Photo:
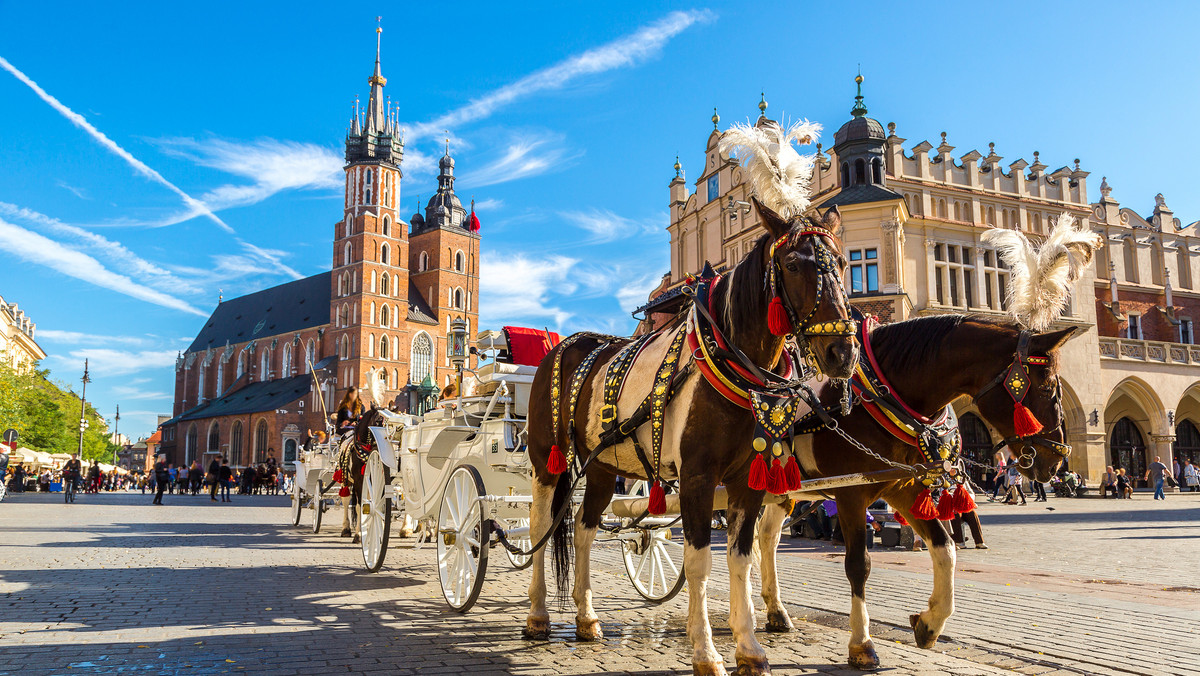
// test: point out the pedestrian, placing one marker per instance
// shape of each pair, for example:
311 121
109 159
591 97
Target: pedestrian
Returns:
1191 476
213 478
225 476
1014 479
1177 472
1001 481
162 476
181 475
1039 490
1108 482
971 518
1157 476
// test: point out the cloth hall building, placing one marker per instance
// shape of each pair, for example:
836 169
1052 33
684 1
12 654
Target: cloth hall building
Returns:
913 216
245 387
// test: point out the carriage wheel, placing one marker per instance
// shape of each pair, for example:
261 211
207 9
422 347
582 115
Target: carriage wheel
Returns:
375 513
520 562
297 503
654 563
463 536
318 503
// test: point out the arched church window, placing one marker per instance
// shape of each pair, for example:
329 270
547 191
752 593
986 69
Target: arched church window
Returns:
371 345
458 298
387 226
383 315
310 356
260 442
877 171
286 367
423 262
264 372
422 357
383 254
845 174
348 254
189 444
241 365
235 444
460 261
214 438
200 384
344 350
383 284
383 347
860 171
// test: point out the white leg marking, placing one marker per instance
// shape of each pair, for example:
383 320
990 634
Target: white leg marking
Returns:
859 621
540 520
741 608
697 564
941 601
587 623
768 545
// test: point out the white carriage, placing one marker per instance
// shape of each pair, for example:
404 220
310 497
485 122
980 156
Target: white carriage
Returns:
463 470
314 487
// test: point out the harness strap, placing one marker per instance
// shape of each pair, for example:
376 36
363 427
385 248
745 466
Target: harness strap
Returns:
660 396
577 379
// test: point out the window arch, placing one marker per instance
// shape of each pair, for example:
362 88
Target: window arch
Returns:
423 262
264 370
383 347
395 379
383 285
344 349
460 261
1187 442
241 364
877 171
383 254
384 315
845 174
285 369
387 226
200 383
371 345
235 443
371 317
214 438
860 171
422 357
189 443
348 254
458 298
260 442
1127 450
310 355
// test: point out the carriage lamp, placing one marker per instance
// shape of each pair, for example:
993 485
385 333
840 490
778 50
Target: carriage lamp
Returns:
456 343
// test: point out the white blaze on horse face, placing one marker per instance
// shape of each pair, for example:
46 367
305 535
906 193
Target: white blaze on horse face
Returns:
638 381
697 565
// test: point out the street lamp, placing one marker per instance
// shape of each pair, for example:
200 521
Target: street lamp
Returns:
456 348
83 423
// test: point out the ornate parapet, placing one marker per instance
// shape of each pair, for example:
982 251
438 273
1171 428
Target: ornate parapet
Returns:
1149 351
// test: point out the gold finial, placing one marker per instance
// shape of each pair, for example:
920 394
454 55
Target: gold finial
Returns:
716 120
762 104
679 167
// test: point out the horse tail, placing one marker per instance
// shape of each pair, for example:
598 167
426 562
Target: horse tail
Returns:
563 548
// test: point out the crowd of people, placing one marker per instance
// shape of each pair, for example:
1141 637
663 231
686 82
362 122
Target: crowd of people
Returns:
219 477
1004 476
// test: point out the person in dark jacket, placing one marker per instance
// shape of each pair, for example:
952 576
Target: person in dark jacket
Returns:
161 477
214 473
349 411
225 476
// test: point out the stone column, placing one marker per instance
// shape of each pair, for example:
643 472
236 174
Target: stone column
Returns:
891 256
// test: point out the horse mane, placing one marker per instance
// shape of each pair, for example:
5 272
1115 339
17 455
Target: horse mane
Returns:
919 341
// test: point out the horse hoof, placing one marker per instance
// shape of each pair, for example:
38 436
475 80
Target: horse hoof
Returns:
345 533
753 666
863 657
588 630
536 630
405 533
923 635
709 669
355 540
779 622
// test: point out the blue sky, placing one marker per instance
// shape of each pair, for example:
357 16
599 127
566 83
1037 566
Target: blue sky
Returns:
196 149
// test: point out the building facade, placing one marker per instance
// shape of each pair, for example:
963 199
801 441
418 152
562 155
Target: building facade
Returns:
913 220
246 386
17 345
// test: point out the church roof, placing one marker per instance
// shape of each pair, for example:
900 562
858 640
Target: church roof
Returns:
286 308
861 194
253 398
418 309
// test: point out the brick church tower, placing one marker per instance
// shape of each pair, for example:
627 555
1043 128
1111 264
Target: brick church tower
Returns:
369 294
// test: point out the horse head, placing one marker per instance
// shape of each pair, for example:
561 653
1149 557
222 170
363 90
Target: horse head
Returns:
804 270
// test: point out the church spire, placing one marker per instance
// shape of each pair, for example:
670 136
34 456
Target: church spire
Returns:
860 108
376 119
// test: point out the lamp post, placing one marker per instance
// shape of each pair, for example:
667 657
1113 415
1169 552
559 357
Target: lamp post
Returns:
83 423
117 434
456 348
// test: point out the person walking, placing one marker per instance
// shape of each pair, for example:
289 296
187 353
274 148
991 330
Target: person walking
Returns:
225 477
162 476
1013 478
1191 476
1001 480
1157 476
213 478
181 476
971 518
1039 490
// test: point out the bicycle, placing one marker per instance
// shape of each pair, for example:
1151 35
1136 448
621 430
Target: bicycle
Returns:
68 490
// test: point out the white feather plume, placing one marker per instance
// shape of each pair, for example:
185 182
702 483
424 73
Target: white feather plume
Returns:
778 174
376 386
1040 278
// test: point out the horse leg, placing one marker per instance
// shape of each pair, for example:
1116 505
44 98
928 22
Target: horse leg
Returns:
696 508
345 517
852 518
928 625
600 487
768 544
355 521
537 624
742 515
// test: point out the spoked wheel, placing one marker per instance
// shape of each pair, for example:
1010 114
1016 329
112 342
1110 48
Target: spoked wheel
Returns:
462 539
297 503
520 562
318 507
375 512
654 563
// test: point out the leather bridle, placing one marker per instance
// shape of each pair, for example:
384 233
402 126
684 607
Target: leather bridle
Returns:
826 264
1021 360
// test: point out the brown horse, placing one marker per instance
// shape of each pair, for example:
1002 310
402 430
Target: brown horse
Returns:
352 459
706 438
928 363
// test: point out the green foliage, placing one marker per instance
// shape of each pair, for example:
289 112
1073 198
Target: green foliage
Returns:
46 415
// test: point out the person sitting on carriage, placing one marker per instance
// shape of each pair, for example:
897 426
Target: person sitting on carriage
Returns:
349 411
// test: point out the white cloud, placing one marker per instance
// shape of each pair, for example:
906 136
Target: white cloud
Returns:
127 393
489 204
518 288
103 362
39 250
624 52
272 165
78 338
633 294
78 192
522 158
606 226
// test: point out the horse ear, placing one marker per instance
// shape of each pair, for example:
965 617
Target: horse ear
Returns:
832 220
1044 343
773 222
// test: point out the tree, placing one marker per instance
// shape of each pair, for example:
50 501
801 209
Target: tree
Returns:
44 414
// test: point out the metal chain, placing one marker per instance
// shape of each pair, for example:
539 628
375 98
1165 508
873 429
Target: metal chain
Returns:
860 446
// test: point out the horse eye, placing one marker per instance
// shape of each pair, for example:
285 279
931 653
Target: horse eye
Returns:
791 266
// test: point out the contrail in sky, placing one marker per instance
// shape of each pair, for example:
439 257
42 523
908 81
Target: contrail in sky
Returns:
140 167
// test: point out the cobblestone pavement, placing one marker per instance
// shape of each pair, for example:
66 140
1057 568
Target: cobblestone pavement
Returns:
113 585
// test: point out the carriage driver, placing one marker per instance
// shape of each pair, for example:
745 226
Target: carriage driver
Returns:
349 411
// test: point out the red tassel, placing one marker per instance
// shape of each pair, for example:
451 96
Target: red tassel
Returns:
776 483
923 507
658 499
777 318
1024 421
758 474
362 470
345 492
963 500
900 518
337 476
792 475
557 462
945 507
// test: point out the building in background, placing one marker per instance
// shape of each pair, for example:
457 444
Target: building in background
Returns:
17 345
913 223
245 389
